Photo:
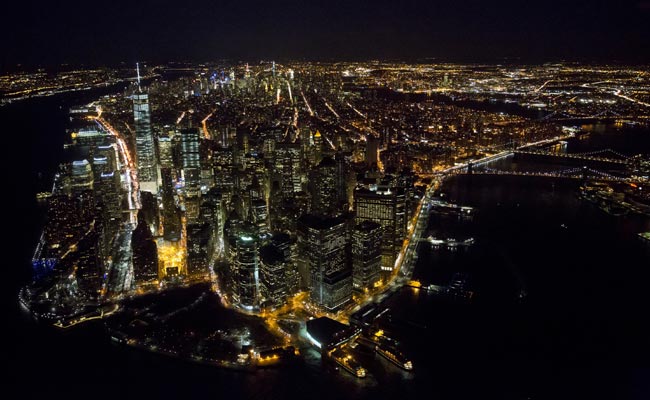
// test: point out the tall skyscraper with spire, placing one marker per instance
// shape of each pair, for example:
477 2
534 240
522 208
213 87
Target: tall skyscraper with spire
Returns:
144 144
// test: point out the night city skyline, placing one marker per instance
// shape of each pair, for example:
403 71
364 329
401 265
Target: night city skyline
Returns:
327 199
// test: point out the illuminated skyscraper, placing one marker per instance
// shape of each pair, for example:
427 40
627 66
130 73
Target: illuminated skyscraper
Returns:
145 254
273 268
246 285
258 215
198 236
323 247
222 166
366 254
227 135
144 144
165 150
108 199
305 144
287 169
344 181
171 217
81 176
387 207
213 211
191 163
104 160
287 247
107 196
323 187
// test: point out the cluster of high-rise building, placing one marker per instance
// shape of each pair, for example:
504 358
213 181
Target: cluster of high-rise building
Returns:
279 206
84 215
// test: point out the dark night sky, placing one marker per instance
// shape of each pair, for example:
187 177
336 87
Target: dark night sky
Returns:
108 31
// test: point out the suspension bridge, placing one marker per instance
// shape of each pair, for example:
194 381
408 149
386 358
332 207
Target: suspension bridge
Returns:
606 156
583 173
602 116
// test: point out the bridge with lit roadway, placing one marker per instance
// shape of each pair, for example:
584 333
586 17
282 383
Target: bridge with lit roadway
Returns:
571 173
606 156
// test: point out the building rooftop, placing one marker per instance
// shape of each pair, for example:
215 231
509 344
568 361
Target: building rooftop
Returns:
320 222
367 226
325 332
271 254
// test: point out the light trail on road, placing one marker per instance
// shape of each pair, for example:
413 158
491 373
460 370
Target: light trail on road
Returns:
357 111
204 121
311 112
617 93
130 174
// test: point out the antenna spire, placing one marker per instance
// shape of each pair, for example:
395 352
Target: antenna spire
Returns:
137 69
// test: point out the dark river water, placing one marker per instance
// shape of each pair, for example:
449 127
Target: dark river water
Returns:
579 332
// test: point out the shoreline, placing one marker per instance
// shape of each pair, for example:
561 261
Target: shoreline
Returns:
4 101
400 277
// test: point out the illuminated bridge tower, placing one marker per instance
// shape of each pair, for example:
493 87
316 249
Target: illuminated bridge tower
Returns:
144 144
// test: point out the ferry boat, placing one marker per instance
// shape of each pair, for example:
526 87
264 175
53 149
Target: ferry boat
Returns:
445 208
450 242
395 357
43 195
349 364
